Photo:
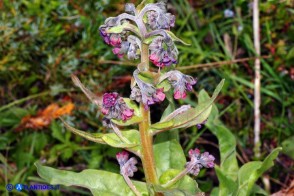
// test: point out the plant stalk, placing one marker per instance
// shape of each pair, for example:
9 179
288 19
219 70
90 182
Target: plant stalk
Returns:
146 137
256 80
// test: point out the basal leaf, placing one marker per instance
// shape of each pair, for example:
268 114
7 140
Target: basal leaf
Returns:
168 155
100 183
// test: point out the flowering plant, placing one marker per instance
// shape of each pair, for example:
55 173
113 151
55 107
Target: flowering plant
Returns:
143 32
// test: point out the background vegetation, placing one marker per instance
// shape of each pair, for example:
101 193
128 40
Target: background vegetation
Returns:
42 42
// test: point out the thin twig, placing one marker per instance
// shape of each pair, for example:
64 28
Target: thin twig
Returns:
256 80
215 64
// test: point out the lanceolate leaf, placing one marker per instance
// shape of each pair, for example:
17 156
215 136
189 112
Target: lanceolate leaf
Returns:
175 38
110 138
100 183
227 145
266 164
123 27
250 172
133 120
191 116
132 135
89 136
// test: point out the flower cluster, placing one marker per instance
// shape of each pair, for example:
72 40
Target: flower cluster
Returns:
127 166
181 83
199 161
160 19
146 93
122 43
114 107
160 56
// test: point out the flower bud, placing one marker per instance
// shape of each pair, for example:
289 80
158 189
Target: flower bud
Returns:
127 166
181 83
159 19
159 55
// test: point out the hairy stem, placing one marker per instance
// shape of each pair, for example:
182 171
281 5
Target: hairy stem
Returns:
146 137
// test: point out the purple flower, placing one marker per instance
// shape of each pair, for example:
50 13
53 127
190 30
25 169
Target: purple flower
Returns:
121 49
159 19
146 93
181 83
109 99
114 107
159 55
199 161
115 40
127 166
104 35
149 96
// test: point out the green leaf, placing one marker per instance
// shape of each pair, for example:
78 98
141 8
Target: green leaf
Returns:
110 138
162 125
131 121
168 155
185 186
57 131
191 116
89 136
226 185
266 164
121 28
227 144
244 174
113 140
165 85
100 183
175 38
288 147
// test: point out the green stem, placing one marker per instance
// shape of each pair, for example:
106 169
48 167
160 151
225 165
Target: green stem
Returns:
19 101
145 135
